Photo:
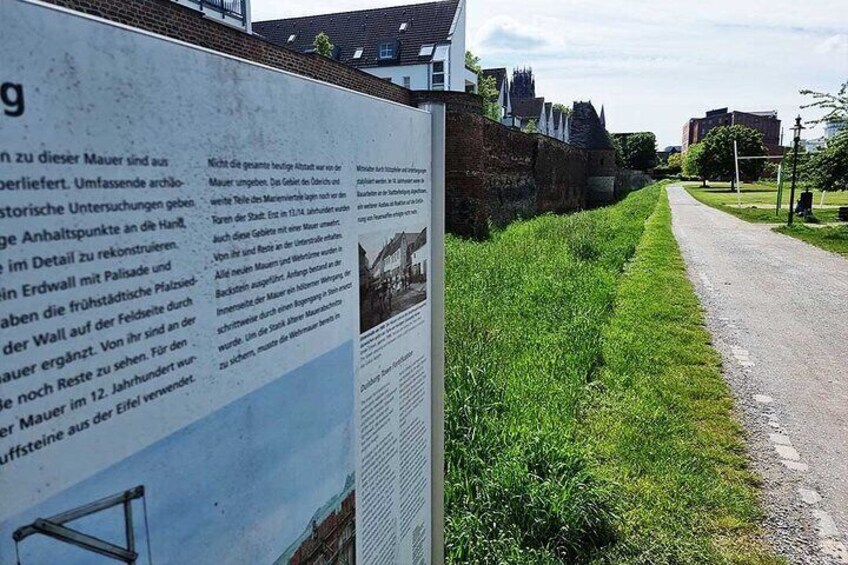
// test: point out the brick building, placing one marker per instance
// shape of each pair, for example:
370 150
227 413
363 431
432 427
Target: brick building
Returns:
767 123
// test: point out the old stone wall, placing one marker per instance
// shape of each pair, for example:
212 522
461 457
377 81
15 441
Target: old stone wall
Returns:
496 175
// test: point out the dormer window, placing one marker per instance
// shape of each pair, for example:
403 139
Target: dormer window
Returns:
387 50
403 27
358 53
292 37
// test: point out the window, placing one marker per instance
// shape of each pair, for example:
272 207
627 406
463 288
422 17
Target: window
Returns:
387 50
292 37
407 82
403 27
426 50
358 53
439 75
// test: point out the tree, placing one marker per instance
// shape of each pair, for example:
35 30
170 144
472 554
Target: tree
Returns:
717 161
566 110
473 62
491 95
323 46
531 127
827 170
619 152
638 150
692 162
834 105
675 162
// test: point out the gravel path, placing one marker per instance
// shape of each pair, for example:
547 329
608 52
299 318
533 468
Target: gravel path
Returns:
778 311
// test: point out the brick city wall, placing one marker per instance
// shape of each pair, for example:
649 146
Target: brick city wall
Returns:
170 19
496 175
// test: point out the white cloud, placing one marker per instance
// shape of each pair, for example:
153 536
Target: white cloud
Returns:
837 44
653 64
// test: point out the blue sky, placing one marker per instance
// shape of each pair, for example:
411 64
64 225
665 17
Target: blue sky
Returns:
654 63
236 487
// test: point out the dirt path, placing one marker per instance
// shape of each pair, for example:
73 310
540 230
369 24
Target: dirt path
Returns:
778 311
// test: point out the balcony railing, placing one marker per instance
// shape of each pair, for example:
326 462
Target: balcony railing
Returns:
229 9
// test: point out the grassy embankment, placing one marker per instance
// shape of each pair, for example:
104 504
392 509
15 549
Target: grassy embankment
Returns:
587 419
758 206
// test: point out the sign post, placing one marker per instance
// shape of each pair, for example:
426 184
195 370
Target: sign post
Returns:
222 293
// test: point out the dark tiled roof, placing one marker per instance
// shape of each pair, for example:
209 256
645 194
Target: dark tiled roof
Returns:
557 116
427 24
586 130
499 74
530 109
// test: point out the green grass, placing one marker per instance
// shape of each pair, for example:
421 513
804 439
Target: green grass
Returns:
758 202
831 238
758 206
660 423
547 397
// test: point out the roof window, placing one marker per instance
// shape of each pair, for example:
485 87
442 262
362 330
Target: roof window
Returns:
292 37
403 27
358 53
387 50
427 50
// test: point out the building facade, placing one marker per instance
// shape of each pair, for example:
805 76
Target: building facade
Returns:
767 123
418 47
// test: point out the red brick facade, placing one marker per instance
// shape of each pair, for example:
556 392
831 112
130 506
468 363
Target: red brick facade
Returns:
333 541
696 129
170 19
496 174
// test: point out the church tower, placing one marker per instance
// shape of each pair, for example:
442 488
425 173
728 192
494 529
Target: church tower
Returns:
523 85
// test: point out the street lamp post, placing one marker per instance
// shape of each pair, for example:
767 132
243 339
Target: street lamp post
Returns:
797 130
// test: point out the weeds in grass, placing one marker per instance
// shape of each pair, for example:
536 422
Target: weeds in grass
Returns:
643 465
525 315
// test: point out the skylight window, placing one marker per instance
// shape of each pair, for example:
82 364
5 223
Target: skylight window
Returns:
292 37
358 53
426 50
403 27
387 50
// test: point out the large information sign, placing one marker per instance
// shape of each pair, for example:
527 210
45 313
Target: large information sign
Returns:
214 307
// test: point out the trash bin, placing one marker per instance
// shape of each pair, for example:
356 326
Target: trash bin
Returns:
805 204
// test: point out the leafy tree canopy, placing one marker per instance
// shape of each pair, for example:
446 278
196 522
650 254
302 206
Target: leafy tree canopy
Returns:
717 161
638 151
473 62
490 94
566 110
675 161
835 106
692 160
827 169
323 46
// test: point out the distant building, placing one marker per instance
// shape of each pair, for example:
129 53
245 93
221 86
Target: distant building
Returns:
235 13
813 145
587 132
662 156
419 47
530 110
401 261
523 85
767 123
833 128
504 96
330 538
